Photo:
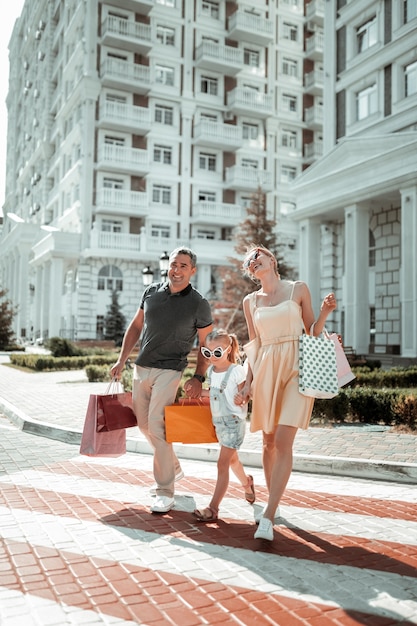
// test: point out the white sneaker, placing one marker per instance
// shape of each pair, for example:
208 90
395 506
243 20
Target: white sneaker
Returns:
162 504
178 477
265 530
260 515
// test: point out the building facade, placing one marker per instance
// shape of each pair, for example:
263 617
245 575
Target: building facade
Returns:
358 204
136 126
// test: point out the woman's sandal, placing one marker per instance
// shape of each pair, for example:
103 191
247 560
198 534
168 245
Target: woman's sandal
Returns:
208 514
250 491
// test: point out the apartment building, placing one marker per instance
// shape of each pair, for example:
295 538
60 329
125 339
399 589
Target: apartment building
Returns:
357 206
136 126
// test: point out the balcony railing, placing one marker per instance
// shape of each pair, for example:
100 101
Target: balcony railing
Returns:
315 46
251 28
313 82
124 157
314 117
217 134
115 28
214 56
241 101
116 72
122 201
240 177
218 213
313 150
122 114
115 241
315 11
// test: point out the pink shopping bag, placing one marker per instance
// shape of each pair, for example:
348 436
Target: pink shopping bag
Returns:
106 443
344 373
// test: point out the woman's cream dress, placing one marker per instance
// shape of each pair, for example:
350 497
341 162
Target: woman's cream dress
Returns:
275 395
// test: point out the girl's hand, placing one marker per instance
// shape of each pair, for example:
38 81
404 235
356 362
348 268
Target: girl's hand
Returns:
243 395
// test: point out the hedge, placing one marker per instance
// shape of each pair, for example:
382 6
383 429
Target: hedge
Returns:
42 363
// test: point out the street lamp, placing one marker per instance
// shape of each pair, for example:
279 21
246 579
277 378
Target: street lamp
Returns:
147 276
164 264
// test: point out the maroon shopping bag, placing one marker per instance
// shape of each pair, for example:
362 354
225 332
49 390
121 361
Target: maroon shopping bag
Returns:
106 443
114 411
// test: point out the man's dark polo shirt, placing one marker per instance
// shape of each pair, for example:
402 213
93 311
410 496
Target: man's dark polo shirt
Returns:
170 325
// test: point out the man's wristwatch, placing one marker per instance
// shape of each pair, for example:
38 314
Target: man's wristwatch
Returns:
200 378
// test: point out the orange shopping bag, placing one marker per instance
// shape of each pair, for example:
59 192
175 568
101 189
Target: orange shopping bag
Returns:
189 421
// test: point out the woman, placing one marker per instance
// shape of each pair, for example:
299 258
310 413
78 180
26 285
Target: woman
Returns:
276 315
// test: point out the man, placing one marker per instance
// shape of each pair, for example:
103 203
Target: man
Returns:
170 316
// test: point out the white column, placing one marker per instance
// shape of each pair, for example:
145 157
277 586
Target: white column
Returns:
408 275
55 291
356 291
310 235
203 277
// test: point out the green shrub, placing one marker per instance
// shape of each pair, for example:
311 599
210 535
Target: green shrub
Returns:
62 347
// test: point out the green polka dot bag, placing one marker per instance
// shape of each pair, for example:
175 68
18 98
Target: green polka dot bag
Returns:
317 367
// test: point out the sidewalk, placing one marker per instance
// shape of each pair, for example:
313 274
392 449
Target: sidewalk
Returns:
53 405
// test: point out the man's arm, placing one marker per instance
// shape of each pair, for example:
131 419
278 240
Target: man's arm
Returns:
130 339
193 386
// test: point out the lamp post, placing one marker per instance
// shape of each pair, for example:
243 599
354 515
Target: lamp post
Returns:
164 264
147 276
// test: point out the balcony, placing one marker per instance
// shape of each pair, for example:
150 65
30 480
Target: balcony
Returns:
123 159
119 115
121 74
247 179
218 135
241 101
218 58
122 202
313 117
212 251
250 28
315 46
313 82
315 13
134 36
219 213
312 151
143 7
114 245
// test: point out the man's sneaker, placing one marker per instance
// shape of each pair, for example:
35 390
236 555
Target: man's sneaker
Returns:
265 530
260 515
162 504
178 477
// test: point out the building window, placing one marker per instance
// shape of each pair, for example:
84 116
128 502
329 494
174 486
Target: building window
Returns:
207 161
251 57
367 34
162 154
112 183
410 72
290 31
209 85
210 9
289 138
165 35
372 325
162 232
290 67
372 249
164 75
206 234
111 226
100 327
288 173
110 278
114 141
291 3
206 196
289 102
250 132
366 102
164 115
166 3
250 163
409 10
161 194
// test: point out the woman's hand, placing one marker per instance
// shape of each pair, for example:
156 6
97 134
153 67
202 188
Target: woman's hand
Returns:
329 303
243 395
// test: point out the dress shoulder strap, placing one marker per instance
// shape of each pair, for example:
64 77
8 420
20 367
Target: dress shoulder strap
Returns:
292 290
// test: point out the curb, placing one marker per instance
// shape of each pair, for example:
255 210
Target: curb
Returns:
387 471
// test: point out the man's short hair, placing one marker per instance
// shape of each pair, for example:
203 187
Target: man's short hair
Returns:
188 252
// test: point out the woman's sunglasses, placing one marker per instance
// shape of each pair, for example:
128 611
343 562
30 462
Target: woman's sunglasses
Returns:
217 352
251 258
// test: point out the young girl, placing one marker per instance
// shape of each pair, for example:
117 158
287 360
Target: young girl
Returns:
225 379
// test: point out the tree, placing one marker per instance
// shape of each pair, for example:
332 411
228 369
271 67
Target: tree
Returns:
256 229
115 321
7 313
